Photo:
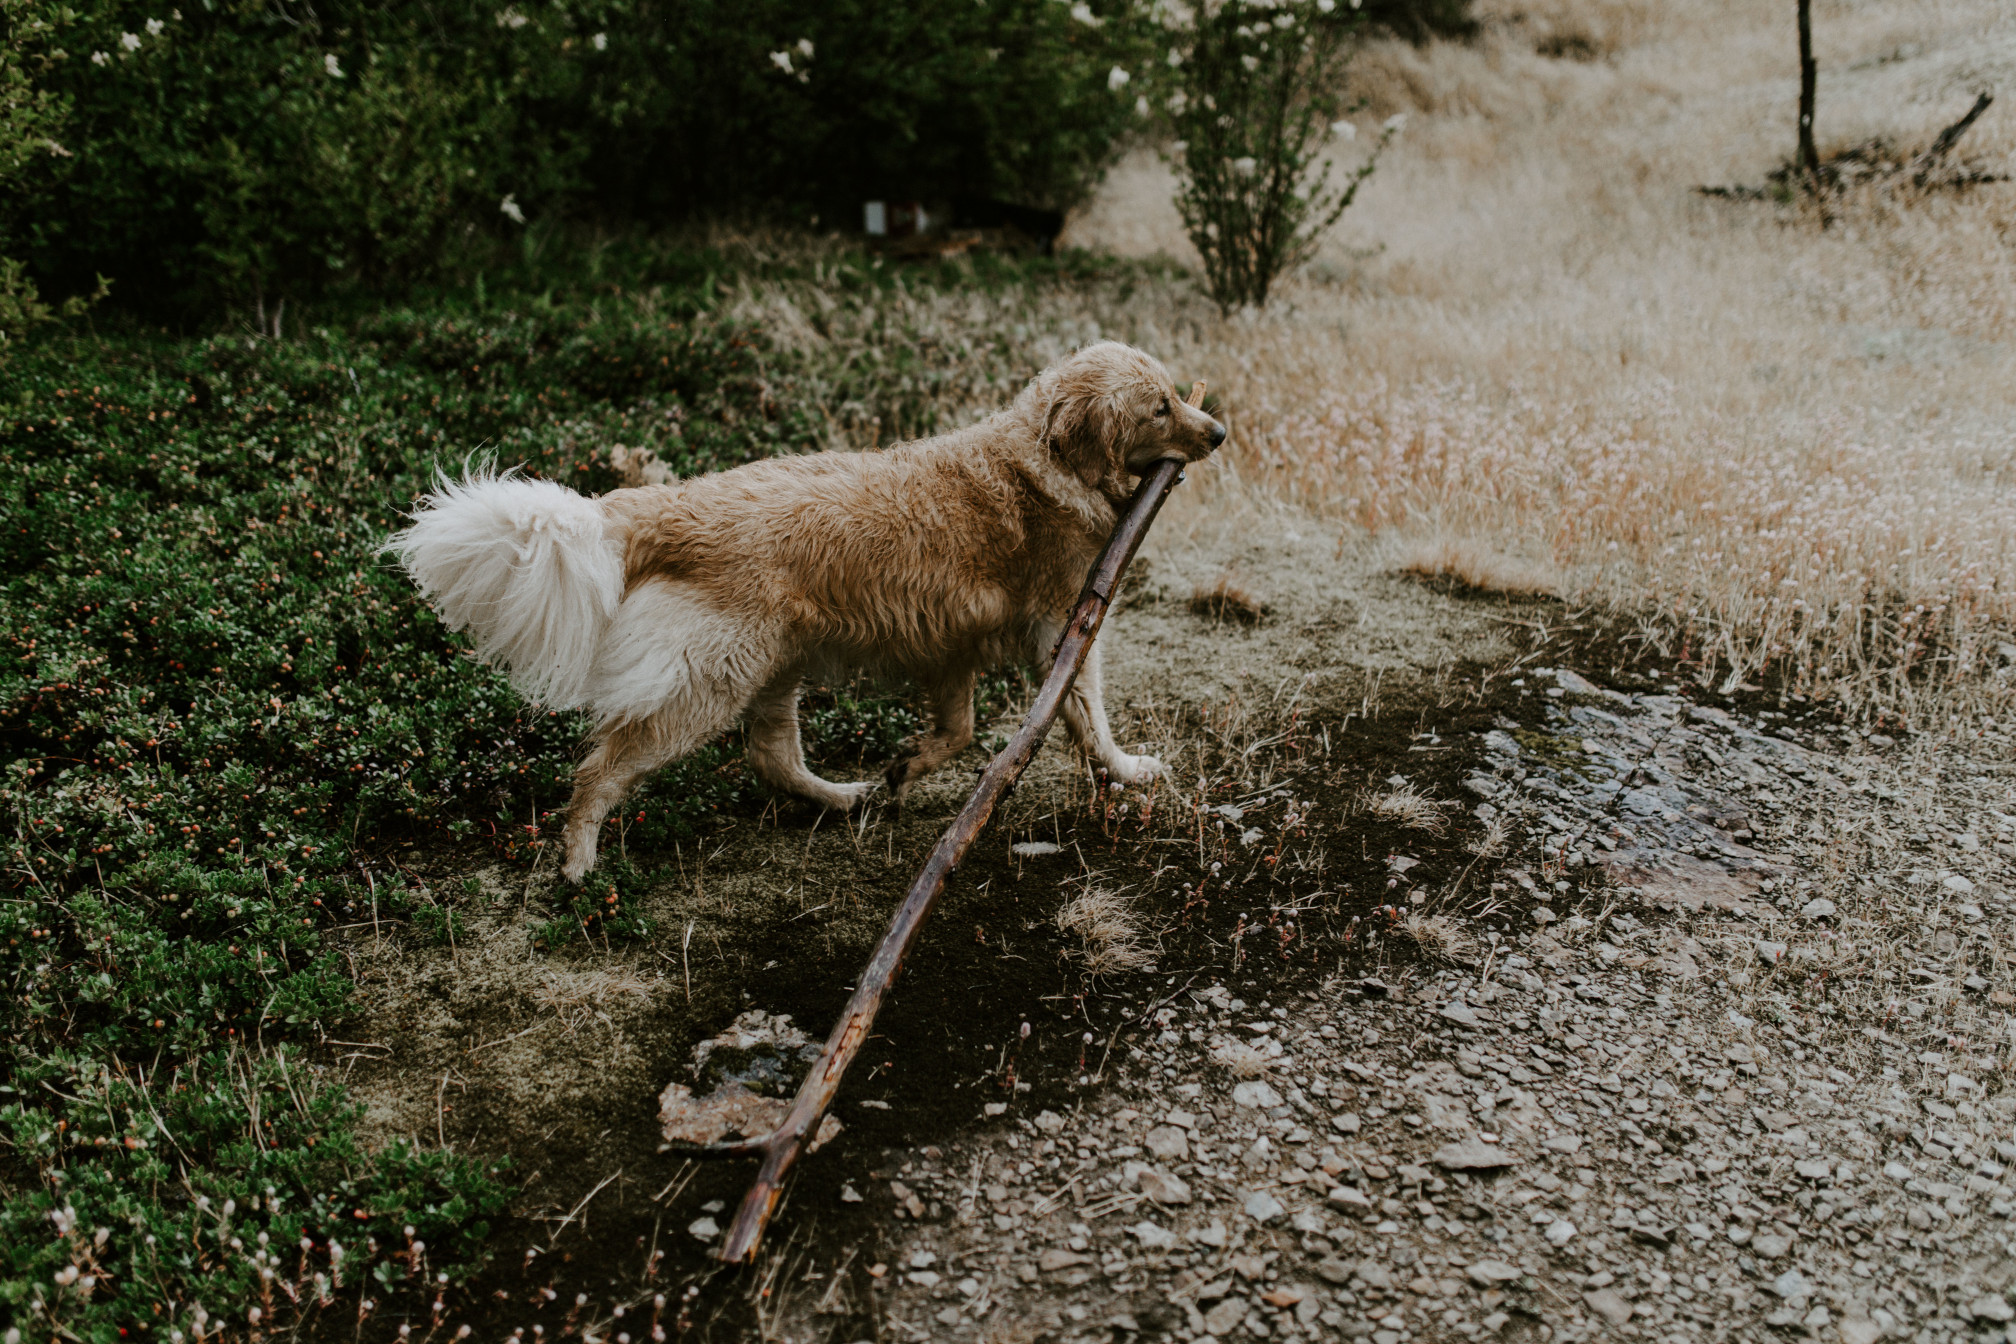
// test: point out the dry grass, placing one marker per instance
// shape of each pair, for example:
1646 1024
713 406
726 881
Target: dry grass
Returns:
577 996
1441 938
1476 564
1533 337
1228 599
1406 806
1109 931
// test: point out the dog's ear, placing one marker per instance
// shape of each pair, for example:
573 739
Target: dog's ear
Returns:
1084 432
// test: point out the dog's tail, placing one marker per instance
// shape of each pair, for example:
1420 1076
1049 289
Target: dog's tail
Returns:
528 568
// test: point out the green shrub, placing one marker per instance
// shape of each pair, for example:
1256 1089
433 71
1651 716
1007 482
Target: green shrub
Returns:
31 117
230 155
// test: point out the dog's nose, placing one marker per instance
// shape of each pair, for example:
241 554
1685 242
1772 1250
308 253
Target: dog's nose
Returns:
1217 433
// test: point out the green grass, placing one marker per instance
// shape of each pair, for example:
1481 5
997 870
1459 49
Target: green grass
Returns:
225 722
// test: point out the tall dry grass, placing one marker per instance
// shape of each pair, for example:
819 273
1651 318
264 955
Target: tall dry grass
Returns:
1784 441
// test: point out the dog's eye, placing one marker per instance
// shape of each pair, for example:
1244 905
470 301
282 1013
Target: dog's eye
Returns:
1163 409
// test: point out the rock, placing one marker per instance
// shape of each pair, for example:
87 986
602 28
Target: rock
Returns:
1347 1123
1958 885
1768 951
1211 1234
1462 1015
848 1194
1057 1258
1334 1270
1263 1208
1049 1122
1491 1273
1350 1199
706 1229
1169 1144
1542 915
1222 1319
1897 1171
1473 1155
1256 1095
1609 1304
1153 1238
1860 1330
1163 1188
1791 1284
1992 1307
1563 1143
1813 1168
1819 908
1770 1245
1560 1232
1283 1297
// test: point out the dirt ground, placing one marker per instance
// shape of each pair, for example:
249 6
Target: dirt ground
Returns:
1465 976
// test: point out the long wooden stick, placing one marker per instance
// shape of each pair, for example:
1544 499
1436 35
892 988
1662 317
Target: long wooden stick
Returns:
779 1149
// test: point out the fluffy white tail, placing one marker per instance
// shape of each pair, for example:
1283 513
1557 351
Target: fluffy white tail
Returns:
527 568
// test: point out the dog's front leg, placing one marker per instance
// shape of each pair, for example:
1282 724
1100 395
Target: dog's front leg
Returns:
952 715
1085 716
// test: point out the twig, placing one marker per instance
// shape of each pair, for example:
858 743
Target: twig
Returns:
1946 139
555 1236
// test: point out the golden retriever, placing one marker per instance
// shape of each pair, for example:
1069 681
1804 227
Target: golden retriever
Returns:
670 610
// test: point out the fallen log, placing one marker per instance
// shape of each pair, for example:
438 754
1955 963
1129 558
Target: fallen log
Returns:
780 1148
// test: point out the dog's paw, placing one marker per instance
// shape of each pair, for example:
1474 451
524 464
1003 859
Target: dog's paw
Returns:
847 797
898 776
1135 769
580 860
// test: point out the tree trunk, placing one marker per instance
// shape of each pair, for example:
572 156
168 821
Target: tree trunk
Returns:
1809 158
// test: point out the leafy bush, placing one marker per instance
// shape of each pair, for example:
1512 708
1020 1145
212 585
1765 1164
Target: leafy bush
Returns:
1257 108
233 154
31 115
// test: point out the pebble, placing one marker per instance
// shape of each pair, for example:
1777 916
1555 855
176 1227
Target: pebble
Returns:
1263 1208
1473 1155
1491 1273
1256 1095
1153 1238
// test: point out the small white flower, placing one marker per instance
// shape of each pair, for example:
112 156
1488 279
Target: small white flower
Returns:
1395 122
330 64
1325 6
600 41
1117 79
154 27
1347 130
1141 107
130 41
805 47
1250 62
99 58
509 207
1175 58
1177 102
1083 13
782 60
1245 166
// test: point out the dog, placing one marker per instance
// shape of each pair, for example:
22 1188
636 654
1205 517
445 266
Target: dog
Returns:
668 611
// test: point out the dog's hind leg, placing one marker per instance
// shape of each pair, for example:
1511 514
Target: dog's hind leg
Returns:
952 713
625 754
777 754
1085 716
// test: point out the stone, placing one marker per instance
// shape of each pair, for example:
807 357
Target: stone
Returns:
1049 1122
1350 1199
1609 1304
1820 908
1164 1188
1263 1208
1992 1307
1473 1155
1335 1270
1463 1015
706 1229
1958 885
1346 1123
1222 1319
1169 1144
1813 1168
1211 1234
1860 1330
1569 1144
1560 1232
1791 1284
1282 1297
1491 1273
1153 1238
1057 1258
1256 1095
1770 1245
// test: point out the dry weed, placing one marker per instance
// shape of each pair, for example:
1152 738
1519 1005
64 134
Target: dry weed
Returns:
577 996
1441 938
1228 599
1109 931
1406 806
1241 1060
1476 564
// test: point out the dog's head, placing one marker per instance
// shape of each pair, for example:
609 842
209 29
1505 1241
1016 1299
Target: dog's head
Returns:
1109 411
